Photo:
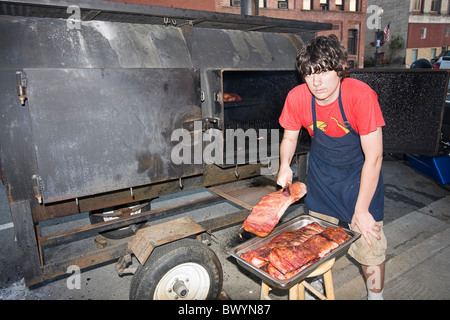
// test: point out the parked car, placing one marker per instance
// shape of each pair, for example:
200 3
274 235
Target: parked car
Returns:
442 63
421 64
445 53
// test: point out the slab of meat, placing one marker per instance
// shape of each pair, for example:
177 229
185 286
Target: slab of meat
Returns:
266 214
277 274
290 259
293 251
231 97
259 257
337 235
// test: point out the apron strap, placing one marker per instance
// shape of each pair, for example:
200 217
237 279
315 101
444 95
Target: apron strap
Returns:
341 108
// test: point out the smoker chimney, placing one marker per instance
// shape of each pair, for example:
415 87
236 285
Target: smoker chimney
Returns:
250 7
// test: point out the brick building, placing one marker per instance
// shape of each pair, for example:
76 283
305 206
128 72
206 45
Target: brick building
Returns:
424 26
428 30
347 16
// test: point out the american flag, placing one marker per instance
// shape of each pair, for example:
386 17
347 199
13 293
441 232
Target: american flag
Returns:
387 36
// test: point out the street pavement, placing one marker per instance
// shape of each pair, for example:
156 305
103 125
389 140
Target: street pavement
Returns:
417 226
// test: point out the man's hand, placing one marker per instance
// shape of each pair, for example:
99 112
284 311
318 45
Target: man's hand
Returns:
366 225
287 149
284 176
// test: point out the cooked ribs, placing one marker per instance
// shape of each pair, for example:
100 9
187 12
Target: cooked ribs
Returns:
274 272
292 251
259 257
335 234
291 258
266 214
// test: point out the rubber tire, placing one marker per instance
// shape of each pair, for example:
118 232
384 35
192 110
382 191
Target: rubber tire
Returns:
120 233
165 257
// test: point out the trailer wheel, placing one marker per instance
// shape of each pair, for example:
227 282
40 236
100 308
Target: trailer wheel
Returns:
103 215
182 270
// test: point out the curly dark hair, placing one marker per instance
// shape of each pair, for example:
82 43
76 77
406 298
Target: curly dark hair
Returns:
323 53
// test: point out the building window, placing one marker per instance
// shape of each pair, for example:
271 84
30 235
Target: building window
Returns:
433 53
282 4
353 5
447 32
307 4
436 6
235 3
263 3
423 33
324 5
340 5
351 47
418 5
414 55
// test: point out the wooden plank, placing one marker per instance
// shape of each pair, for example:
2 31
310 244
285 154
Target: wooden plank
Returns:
245 193
231 198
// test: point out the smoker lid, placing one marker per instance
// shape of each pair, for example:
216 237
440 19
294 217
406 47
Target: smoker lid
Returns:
145 14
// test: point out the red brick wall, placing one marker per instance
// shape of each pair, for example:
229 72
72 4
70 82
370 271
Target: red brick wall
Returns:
435 36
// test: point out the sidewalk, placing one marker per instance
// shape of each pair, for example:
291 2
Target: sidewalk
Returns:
418 258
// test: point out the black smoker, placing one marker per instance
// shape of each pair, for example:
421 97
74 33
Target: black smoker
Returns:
89 104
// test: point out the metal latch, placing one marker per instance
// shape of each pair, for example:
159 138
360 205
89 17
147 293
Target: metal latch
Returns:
21 85
38 188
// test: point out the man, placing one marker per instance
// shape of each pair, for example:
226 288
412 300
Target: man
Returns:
344 181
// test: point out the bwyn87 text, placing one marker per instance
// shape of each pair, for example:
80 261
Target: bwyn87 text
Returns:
226 309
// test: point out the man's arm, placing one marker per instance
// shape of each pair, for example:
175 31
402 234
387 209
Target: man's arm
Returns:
287 150
372 146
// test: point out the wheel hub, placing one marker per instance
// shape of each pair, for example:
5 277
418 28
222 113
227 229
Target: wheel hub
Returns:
189 281
180 289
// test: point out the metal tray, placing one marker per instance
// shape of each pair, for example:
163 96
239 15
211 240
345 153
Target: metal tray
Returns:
293 224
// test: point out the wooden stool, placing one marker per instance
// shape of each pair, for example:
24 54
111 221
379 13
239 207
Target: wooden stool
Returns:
297 292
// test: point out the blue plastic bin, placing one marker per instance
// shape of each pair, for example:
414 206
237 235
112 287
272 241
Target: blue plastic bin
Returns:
437 168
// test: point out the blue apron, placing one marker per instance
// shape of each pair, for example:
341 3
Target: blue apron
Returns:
334 173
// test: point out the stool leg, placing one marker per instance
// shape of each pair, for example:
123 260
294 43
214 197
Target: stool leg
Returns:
264 295
297 292
293 292
328 283
314 291
301 291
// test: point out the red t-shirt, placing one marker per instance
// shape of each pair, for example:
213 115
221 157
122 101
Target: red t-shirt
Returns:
360 106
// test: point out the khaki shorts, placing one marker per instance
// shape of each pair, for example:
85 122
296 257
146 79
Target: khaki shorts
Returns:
360 250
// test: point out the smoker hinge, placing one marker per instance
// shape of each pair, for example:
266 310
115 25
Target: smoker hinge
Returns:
211 123
203 124
21 85
38 188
